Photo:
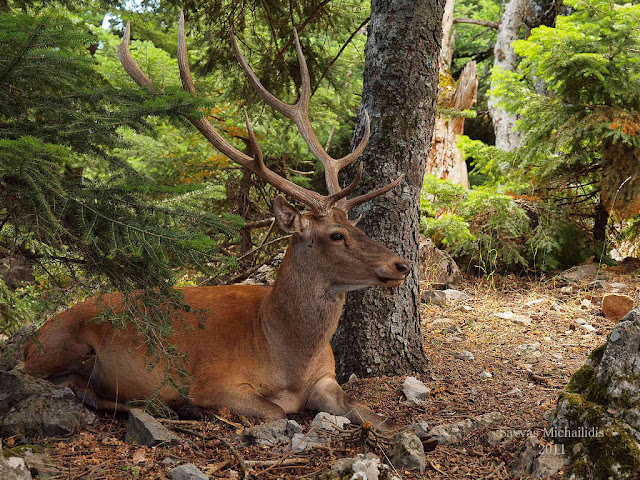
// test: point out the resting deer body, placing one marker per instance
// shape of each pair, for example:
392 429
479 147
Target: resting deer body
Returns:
260 351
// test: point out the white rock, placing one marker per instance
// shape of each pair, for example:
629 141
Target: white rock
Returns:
465 355
464 308
505 315
523 320
531 303
580 321
415 391
588 328
456 295
585 304
327 422
486 375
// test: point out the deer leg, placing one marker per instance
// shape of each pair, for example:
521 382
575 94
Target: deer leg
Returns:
327 396
243 400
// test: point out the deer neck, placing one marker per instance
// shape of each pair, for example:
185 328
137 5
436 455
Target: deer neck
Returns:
301 310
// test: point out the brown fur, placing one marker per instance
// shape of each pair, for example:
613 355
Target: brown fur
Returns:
260 351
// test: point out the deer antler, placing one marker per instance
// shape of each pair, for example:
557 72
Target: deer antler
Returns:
299 114
319 204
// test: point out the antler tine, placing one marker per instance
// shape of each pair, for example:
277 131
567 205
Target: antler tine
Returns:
355 201
313 200
299 114
129 64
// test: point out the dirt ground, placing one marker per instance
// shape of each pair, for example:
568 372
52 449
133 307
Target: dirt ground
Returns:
523 387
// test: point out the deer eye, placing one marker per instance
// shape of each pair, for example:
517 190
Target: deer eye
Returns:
336 237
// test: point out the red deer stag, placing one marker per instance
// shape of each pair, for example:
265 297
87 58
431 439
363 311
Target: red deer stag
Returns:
262 351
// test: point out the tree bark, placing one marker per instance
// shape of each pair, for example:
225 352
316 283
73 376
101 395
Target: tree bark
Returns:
380 334
445 159
505 58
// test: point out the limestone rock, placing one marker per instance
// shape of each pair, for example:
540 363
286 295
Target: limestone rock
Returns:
615 306
437 266
329 423
143 429
415 391
600 408
537 461
301 442
465 355
454 432
33 407
13 468
456 295
360 467
272 433
187 471
407 452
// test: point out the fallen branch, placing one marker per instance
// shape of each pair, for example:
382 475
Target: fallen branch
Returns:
280 463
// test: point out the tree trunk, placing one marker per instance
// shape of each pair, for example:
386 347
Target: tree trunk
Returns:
445 160
380 334
505 58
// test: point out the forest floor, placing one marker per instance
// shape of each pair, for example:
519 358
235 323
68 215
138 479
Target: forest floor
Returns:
523 387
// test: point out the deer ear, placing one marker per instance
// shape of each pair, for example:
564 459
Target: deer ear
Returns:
287 217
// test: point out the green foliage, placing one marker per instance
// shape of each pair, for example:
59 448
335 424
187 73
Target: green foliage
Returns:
577 95
495 232
67 202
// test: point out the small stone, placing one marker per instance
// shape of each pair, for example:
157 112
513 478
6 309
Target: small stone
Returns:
557 356
454 338
329 423
580 321
465 355
360 467
616 306
615 336
434 297
407 452
455 432
508 315
585 304
301 442
566 290
528 348
588 328
523 320
515 391
456 295
271 433
464 308
421 429
474 391
531 303
187 471
143 429
415 391
352 378
618 286
486 375
169 461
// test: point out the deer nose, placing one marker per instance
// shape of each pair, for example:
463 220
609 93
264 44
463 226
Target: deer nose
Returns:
402 268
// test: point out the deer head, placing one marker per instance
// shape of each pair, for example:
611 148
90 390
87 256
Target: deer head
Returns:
330 243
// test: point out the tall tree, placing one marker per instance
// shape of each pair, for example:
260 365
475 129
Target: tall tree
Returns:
380 334
505 58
